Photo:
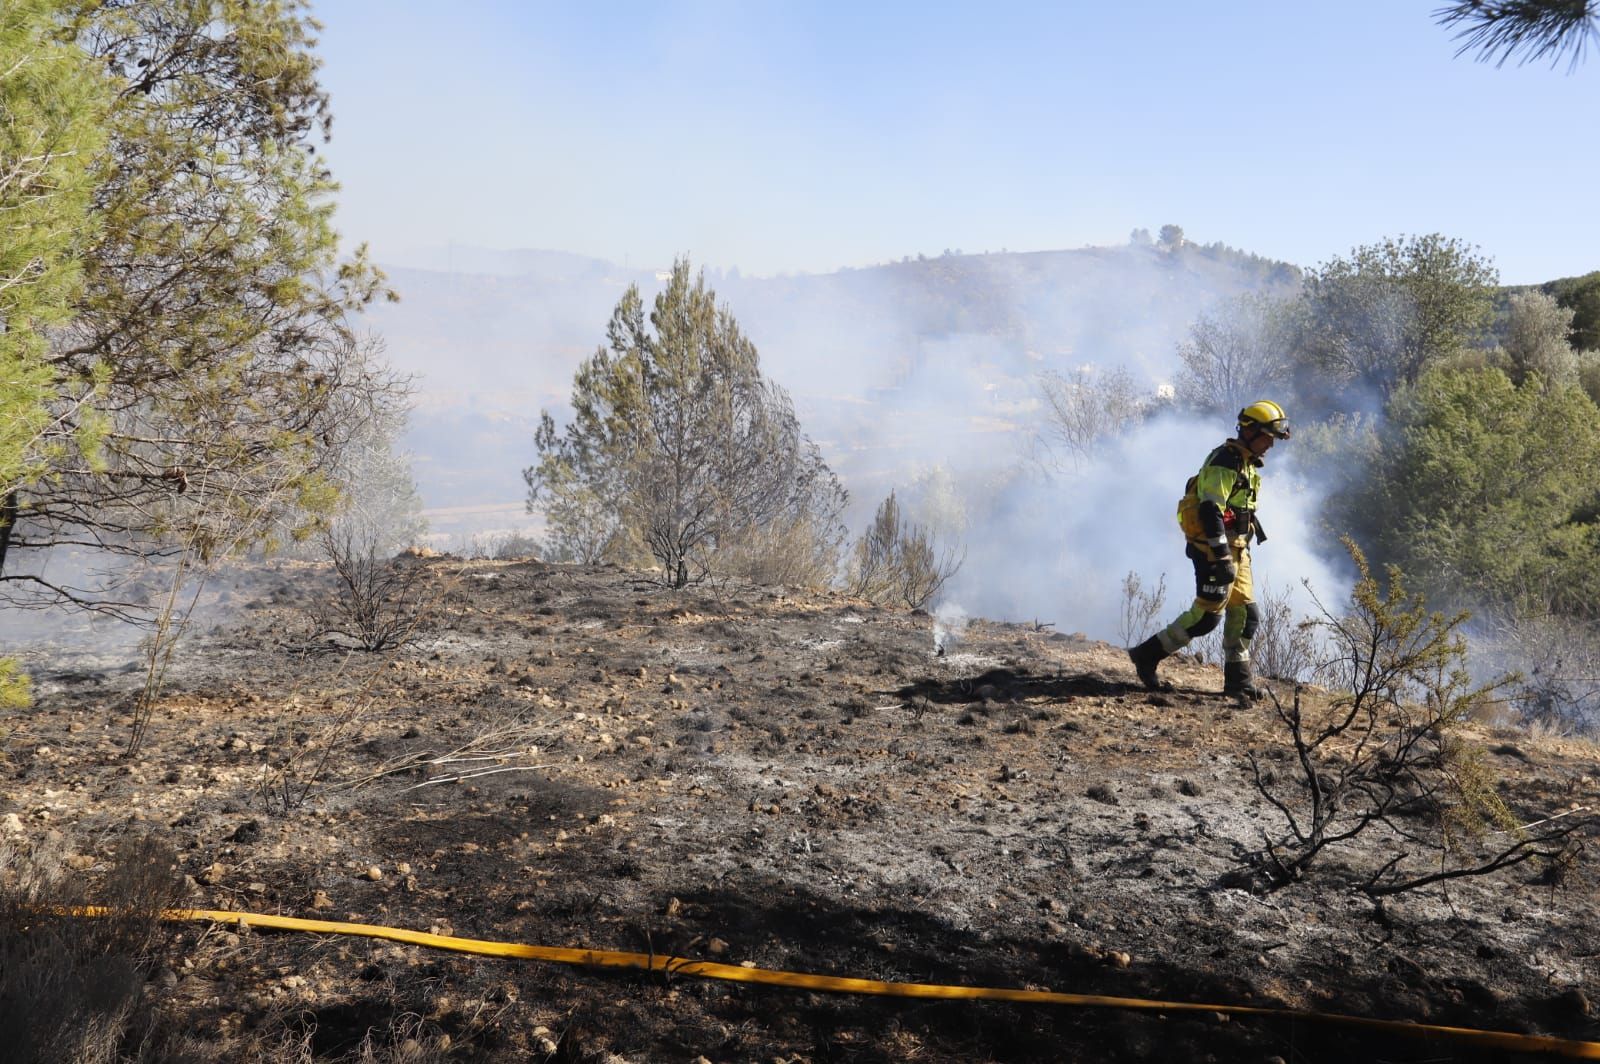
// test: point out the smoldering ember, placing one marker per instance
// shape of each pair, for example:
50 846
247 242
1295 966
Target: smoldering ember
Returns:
791 780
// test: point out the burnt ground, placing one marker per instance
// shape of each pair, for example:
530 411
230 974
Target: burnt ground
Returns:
794 780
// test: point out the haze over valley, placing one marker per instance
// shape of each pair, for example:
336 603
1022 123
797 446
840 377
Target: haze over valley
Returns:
895 370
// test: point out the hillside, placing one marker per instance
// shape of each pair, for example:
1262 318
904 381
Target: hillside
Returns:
893 366
792 780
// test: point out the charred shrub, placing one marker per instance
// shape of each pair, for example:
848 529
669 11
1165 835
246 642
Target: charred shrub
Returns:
1141 608
1285 645
1383 757
898 562
377 603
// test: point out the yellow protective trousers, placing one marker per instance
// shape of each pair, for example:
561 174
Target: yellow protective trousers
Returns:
1218 600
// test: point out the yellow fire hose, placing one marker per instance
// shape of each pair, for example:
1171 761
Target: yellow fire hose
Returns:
1522 1043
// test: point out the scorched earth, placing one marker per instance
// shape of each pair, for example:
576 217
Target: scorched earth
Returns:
793 780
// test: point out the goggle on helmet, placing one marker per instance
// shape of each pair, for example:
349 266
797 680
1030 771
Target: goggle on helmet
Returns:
1266 416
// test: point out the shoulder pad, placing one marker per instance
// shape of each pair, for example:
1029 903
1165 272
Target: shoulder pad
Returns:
1226 457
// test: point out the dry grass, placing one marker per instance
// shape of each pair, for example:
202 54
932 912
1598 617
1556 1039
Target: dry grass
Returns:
69 986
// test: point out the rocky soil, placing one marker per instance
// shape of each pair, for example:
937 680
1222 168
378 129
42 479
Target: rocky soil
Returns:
577 757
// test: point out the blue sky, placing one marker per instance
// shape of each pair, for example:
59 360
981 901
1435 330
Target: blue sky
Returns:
809 136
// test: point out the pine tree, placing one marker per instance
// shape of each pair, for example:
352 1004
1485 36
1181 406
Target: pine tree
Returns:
208 369
51 103
677 442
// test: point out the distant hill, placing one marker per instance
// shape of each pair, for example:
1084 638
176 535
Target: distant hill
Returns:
928 360
498 262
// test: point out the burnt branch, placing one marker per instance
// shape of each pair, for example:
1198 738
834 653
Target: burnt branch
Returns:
1552 846
1380 757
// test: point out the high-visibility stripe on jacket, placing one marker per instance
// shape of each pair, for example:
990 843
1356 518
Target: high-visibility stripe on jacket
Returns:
1221 500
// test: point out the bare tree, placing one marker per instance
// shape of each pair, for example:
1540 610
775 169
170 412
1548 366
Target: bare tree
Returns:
1084 409
379 595
1235 355
379 601
1557 663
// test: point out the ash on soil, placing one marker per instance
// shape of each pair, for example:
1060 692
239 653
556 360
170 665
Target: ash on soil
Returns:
790 779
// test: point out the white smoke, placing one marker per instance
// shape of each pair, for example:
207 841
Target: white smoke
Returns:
1054 547
949 625
918 377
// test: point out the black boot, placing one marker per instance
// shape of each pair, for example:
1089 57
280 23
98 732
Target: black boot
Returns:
1145 657
1238 683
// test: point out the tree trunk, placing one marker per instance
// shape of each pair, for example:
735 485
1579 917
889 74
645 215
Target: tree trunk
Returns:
8 521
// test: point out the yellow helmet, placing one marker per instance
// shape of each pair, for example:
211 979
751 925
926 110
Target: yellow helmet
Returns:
1265 416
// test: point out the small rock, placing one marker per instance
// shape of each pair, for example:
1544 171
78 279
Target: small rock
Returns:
716 947
246 833
320 900
11 824
674 907
373 873
548 1047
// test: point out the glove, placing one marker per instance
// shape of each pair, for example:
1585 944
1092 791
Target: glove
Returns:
1224 570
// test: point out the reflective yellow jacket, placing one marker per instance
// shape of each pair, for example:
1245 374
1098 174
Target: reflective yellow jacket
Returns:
1219 503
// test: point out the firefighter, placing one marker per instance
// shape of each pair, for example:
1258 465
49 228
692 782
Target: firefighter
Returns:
1218 516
